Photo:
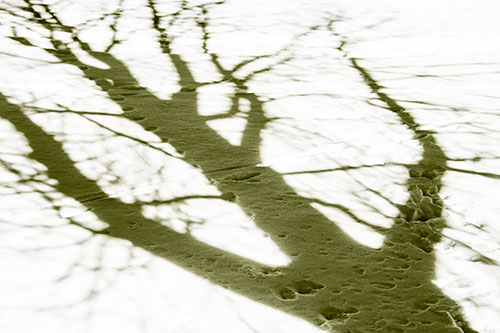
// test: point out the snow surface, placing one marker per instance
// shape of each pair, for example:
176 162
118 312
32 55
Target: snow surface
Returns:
439 59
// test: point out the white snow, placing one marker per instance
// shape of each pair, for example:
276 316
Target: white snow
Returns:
440 59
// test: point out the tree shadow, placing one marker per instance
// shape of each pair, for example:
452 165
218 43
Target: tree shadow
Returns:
332 281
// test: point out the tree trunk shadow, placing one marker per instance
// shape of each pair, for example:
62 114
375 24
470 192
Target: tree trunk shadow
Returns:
332 281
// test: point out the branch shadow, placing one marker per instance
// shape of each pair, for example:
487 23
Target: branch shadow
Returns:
332 281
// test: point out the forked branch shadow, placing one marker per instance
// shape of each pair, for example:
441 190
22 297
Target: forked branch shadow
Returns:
332 281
